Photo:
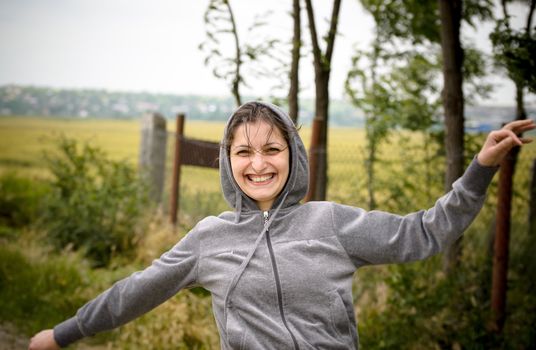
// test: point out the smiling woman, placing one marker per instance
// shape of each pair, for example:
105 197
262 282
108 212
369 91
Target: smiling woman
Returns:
280 272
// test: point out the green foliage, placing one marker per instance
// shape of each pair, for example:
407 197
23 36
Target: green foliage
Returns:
39 292
96 204
197 204
418 21
416 306
402 96
426 309
414 20
515 51
183 322
20 200
474 70
415 26
481 10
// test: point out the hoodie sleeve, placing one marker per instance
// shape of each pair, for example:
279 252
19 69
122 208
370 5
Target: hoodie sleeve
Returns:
135 295
378 238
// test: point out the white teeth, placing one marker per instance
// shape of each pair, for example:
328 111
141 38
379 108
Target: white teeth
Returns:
260 178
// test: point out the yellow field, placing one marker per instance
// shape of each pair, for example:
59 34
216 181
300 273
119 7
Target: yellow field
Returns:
24 141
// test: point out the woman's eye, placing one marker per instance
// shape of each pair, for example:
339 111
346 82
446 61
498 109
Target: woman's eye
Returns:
272 151
243 153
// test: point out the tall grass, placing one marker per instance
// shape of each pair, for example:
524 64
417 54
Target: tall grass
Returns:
39 288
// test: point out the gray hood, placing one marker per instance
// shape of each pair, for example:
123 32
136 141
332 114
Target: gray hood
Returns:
297 183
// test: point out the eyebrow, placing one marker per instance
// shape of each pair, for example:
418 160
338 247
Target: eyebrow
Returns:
266 144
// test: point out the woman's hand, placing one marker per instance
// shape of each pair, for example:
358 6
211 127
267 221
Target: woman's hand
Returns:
500 142
43 340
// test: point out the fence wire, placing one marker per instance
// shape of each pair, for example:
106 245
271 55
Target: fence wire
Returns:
407 175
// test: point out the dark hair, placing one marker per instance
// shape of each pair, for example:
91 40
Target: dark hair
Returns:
252 112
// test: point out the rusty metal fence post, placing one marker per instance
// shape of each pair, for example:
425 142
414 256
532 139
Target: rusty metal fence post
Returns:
313 159
175 181
502 240
532 201
193 152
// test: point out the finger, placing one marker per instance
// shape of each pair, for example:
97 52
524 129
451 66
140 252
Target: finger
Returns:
508 143
524 128
518 122
526 140
518 125
502 134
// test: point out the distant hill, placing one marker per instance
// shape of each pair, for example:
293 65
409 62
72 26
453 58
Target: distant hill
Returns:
84 103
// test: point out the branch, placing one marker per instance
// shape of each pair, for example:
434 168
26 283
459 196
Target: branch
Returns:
238 78
529 17
333 29
317 54
505 13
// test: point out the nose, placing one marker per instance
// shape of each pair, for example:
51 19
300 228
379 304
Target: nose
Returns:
258 163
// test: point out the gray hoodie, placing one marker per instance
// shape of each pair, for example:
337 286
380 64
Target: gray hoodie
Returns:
282 279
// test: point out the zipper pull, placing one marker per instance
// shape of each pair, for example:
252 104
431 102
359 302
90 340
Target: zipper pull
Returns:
265 213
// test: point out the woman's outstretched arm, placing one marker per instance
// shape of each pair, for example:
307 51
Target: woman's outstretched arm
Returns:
378 237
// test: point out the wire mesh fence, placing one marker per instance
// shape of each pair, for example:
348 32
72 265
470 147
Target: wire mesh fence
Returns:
407 175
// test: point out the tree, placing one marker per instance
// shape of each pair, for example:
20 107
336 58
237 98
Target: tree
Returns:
395 90
221 25
414 23
450 13
293 100
322 67
408 32
515 52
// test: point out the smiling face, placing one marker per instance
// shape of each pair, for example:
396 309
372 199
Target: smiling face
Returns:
259 161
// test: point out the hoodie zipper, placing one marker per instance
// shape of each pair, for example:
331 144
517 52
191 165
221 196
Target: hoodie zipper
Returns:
278 283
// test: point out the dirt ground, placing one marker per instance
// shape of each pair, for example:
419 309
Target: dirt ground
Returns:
10 339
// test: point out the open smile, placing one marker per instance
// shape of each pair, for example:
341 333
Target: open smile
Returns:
260 179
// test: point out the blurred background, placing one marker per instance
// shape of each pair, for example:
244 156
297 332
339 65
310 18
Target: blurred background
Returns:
386 92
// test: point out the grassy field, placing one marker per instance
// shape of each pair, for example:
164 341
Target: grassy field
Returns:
25 140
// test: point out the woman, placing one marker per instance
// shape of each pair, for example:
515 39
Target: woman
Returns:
280 272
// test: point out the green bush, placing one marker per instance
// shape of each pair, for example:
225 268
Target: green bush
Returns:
183 322
421 308
37 293
20 199
96 204
196 205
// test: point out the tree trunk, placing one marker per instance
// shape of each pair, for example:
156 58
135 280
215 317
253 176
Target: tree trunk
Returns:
322 65
450 13
529 17
235 88
293 93
370 174
321 151
532 201
502 239
502 233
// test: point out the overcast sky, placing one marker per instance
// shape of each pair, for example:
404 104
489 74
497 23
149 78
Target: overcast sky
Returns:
152 45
